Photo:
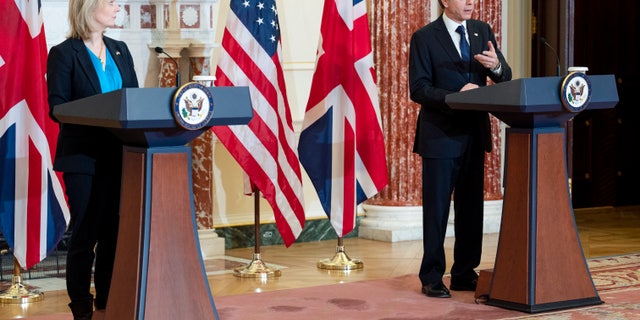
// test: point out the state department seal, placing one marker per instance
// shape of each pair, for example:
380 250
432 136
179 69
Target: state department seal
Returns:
575 92
192 106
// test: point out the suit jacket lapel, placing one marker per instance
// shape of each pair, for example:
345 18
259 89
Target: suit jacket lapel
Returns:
117 57
445 40
85 62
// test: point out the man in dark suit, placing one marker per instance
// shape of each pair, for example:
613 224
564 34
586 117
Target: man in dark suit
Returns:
452 143
86 64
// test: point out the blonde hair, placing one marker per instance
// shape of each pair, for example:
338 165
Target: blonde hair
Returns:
81 17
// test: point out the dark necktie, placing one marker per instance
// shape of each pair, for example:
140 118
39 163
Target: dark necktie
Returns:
464 49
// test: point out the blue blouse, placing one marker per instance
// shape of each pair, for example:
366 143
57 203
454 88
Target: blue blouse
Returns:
110 78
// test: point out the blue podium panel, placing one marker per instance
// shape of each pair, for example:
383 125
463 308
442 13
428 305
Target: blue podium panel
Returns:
142 117
532 102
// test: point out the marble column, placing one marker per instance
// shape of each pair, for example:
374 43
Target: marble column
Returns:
168 67
202 164
396 213
202 159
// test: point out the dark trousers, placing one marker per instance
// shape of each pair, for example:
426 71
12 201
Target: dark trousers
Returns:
464 178
94 206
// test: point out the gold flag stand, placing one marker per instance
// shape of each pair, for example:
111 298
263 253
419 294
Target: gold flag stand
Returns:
17 292
256 268
340 260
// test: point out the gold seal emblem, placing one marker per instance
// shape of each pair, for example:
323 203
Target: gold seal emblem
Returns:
192 106
575 92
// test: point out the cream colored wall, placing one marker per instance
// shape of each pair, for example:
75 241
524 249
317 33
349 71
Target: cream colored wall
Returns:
300 30
517 22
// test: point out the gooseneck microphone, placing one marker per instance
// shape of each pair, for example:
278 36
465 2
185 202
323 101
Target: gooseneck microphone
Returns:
160 50
546 43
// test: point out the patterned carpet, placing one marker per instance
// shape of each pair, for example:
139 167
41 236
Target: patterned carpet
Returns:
617 280
615 273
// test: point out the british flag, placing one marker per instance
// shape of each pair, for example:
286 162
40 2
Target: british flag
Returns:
265 148
33 210
341 145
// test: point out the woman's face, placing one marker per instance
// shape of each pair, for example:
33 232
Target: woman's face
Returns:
105 14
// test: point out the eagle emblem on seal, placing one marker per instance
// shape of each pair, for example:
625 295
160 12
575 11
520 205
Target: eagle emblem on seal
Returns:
193 106
192 103
576 89
575 92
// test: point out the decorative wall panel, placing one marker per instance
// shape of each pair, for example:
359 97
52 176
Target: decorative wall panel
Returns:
148 16
190 16
392 24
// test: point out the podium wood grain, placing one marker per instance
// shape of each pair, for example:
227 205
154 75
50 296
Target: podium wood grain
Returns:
539 264
124 292
158 272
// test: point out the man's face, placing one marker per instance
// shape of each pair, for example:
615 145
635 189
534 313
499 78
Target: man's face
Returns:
458 10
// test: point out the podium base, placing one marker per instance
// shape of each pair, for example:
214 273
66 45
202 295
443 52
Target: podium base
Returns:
156 221
544 307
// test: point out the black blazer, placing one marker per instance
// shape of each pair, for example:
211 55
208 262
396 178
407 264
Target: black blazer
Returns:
71 76
436 70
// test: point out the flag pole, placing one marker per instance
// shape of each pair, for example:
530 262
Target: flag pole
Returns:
340 260
17 292
256 268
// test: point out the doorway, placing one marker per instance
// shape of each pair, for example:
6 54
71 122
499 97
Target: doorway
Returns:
601 144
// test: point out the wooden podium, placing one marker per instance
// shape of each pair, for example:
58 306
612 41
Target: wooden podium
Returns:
158 271
540 265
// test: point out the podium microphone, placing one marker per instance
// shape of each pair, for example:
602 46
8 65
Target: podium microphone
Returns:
160 50
544 40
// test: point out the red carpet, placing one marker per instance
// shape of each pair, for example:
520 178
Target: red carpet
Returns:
397 298
617 280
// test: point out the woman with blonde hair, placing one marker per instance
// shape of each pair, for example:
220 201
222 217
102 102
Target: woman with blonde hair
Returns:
85 64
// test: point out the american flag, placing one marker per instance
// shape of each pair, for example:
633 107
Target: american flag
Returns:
33 210
265 148
341 145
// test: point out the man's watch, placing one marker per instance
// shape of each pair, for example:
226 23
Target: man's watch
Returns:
498 69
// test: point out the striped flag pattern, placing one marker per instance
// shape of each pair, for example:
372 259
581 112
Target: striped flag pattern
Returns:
265 148
341 146
33 210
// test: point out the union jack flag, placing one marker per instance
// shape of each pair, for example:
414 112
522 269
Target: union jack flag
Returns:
341 145
33 210
265 148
